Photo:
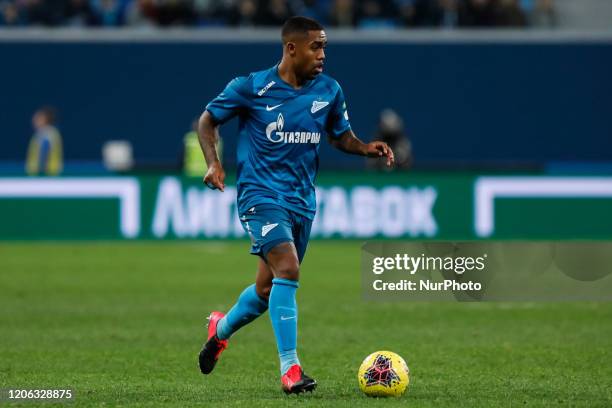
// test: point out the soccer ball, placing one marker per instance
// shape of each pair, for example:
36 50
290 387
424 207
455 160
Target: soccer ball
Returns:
383 374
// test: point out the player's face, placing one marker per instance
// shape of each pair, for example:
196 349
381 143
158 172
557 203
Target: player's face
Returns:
310 54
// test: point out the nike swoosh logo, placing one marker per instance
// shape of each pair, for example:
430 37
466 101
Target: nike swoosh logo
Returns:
287 318
271 108
267 228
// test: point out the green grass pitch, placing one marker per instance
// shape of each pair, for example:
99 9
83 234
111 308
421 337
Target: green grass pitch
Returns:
122 324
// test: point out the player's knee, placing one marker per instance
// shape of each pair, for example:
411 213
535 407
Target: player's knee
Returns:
263 291
283 261
288 269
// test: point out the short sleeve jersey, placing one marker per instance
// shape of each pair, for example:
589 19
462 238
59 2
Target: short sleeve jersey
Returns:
280 131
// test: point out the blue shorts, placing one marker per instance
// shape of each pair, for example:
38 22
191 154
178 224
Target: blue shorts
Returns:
269 225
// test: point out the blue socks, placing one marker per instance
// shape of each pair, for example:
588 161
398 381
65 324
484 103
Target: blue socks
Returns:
248 307
283 314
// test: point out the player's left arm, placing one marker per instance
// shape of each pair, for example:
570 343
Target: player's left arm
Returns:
349 143
342 137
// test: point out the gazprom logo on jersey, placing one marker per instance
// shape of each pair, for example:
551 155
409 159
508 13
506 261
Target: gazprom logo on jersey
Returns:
361 211
275 133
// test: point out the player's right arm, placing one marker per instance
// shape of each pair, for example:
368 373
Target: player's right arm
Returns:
221 109
208 135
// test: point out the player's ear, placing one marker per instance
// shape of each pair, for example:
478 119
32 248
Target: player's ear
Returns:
291 48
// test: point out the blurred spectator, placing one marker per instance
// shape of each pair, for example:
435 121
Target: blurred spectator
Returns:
244 13
391 131
140 13
10 15
44 12
542 14
45 154
374 14
436 13
406 10
509 14
174 12
477 13
272 13
108 13
343 14
315 9
78 13
213 12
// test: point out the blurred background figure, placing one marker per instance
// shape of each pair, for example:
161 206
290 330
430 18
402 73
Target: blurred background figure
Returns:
78 13
10 15
194 164
541 13
316 9
510 14
175 13
243 14
342 14
140 14
45 154
406 10
43 12
377 14
391 131
108 13
273 13
368 14
435 13
478 13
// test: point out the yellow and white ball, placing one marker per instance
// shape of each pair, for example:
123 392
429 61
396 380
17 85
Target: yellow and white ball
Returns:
383 374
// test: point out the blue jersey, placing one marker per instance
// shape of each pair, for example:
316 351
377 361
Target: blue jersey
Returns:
280 129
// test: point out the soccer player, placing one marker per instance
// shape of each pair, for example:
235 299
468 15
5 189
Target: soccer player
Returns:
283 111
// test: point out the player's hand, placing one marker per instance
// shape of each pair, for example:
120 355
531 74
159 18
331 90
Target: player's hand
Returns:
215 177
380 149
